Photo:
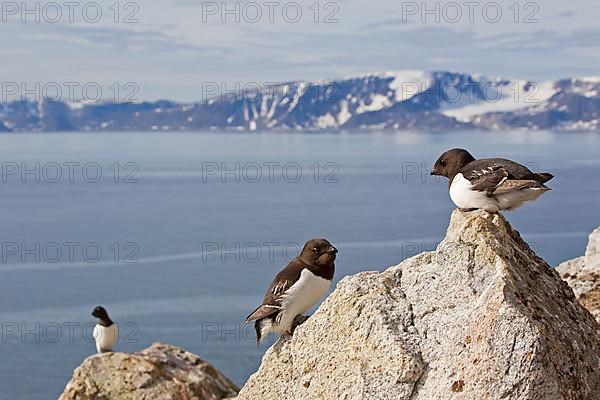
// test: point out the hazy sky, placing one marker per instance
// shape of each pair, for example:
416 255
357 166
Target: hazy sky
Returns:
175 49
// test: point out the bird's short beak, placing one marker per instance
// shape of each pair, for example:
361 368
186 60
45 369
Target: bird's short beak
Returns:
332 249
434 172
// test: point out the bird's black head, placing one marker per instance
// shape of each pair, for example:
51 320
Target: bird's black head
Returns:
451 162
318 252
100 313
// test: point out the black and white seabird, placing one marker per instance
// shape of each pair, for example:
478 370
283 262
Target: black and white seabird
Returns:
296 289
105 332
491 184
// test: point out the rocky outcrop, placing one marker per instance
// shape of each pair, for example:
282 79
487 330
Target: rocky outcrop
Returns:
583 275
161 372
482 317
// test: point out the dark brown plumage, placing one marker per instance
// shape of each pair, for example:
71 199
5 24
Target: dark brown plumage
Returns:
488 173
508 184
317 257
102 315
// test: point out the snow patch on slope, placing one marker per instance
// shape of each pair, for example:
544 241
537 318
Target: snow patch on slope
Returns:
326 121
344 114
587 87
513 96
407 84
589 79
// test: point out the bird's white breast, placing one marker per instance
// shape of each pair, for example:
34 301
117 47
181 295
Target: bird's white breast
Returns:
463 195
301 297
105 337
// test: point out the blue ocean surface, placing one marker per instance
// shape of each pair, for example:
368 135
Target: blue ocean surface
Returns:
179 235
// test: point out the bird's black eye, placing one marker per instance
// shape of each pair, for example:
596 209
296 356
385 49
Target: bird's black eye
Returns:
443 163
315 249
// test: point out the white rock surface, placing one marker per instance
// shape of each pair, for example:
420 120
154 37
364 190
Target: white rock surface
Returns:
482 317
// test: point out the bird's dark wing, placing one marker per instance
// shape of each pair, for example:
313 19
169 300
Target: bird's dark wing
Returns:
273 299
515 170
486 179
519 172
499 175
513 185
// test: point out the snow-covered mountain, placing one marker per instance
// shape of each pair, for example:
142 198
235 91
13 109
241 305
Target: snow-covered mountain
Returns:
392 100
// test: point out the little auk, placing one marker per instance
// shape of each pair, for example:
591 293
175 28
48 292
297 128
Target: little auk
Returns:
296 289
105 332
491 184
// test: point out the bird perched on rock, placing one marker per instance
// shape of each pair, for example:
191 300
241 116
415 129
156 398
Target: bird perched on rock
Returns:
491 184
297 288
105 332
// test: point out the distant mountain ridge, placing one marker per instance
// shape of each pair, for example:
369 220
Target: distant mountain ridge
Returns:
399 100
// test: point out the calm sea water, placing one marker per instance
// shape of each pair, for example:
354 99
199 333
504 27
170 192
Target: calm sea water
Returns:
182 233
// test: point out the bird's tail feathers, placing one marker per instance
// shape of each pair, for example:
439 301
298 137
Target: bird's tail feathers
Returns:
543 177
262 311
262 327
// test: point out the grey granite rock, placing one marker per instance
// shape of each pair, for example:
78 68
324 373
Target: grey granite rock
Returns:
482 317
583 275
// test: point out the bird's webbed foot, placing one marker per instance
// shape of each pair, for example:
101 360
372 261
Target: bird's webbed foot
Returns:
299 320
